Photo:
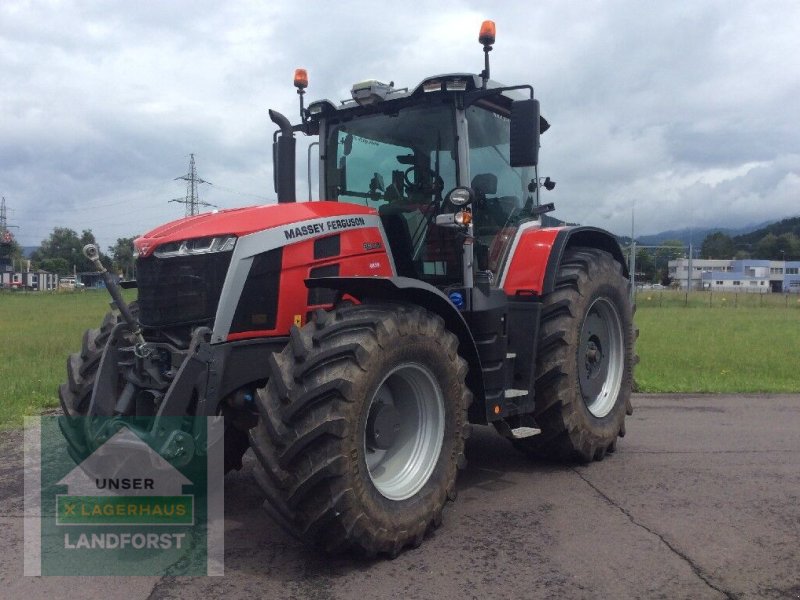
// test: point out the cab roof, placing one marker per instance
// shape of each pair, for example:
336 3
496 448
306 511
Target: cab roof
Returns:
436 86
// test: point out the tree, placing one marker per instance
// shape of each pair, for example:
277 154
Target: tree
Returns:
59 266
122 256
781 247
767 248
670 250
65 244
10 252
644 265
667 251
717 245
788 247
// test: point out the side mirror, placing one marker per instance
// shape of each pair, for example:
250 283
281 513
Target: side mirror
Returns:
524 132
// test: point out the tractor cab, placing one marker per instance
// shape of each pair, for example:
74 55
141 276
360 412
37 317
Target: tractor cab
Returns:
450 167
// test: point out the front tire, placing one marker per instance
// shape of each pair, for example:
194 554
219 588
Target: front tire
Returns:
362 429
76 393
584 360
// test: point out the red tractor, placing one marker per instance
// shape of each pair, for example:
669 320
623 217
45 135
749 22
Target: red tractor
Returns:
351 342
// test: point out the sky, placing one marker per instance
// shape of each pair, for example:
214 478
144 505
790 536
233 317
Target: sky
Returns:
684 114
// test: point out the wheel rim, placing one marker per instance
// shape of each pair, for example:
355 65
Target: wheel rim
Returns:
600 357
404 431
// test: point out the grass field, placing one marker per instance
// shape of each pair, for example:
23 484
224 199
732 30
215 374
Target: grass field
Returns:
37 333
718 350
684 345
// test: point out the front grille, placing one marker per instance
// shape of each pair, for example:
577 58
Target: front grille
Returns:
180 289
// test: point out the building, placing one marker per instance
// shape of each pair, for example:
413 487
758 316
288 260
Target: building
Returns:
748 275
94 279
679 271
29 280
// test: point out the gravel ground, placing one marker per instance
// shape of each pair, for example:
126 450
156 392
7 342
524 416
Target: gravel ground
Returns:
700 501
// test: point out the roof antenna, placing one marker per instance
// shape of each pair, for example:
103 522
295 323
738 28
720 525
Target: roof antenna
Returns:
486 38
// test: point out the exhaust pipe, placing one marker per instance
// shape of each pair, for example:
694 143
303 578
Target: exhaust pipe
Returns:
283 159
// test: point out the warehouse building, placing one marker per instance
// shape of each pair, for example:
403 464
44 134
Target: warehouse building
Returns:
749 275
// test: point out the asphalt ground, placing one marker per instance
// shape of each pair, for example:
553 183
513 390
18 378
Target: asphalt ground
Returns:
702 500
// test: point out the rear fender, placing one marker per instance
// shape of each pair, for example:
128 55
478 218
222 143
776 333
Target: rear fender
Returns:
413 291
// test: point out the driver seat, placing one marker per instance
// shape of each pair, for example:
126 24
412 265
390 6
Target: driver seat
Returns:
484 184
489 215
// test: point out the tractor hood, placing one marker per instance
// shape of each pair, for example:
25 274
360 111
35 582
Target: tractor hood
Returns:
242 221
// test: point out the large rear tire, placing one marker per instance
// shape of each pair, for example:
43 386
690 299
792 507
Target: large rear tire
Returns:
362 428
76 393
584 360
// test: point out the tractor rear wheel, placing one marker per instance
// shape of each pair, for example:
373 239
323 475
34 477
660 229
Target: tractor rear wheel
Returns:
362 428
584 361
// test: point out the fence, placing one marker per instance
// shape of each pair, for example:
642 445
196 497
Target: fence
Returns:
709 299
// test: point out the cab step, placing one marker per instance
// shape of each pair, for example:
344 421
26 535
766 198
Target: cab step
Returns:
519 433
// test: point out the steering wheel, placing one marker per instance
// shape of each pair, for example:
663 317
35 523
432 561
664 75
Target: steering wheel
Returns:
437 185
415 186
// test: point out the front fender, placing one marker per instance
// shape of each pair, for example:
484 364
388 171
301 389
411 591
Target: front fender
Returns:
413 291
538 251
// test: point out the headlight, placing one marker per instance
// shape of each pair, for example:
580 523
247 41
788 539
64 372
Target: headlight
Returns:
205 245
461 196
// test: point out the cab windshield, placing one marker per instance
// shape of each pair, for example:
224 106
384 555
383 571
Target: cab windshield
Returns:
402 164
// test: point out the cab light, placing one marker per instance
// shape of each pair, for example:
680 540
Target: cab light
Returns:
300 79
456 85
463 217
460 196
432 86
487 34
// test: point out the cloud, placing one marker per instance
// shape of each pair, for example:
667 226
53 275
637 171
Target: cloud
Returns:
688 111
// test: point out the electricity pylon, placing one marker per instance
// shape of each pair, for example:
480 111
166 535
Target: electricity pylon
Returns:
192 200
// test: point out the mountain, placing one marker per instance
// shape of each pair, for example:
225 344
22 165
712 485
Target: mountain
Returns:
790 225
28 250
696 235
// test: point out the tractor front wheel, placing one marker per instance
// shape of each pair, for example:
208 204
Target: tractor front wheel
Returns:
76 393
362 429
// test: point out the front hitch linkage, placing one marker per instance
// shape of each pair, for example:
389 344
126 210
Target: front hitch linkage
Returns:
90 251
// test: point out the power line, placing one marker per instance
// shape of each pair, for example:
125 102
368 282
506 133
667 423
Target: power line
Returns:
227 189
192 201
